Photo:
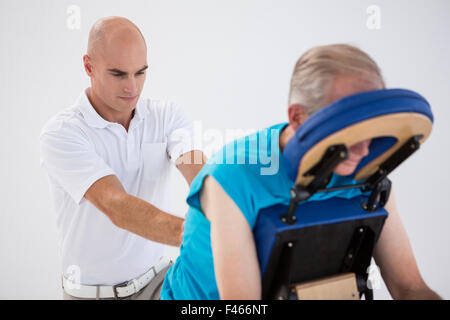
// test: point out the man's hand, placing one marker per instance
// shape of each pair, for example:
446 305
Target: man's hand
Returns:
182 232
190 163
134 214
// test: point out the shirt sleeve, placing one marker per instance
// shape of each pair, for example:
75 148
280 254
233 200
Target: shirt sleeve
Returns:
234 180
179 131
69 158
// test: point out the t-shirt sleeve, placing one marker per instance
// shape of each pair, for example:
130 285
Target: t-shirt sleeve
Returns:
69 158
235 180
179 132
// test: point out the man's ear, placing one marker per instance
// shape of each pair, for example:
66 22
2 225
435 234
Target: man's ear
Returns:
297 115
87 62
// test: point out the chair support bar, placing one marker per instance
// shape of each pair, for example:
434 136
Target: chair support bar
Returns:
378 182
322 173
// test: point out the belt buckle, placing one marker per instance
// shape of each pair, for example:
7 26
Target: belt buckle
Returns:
119 285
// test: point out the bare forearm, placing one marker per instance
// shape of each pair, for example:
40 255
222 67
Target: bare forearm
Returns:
424 293
147 221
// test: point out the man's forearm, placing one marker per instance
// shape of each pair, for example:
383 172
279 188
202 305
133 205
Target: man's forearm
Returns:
147 221
424 293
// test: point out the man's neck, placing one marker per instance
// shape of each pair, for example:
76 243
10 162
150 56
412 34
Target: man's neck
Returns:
107 112
285 136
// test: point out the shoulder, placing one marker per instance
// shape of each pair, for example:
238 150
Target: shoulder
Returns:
67 123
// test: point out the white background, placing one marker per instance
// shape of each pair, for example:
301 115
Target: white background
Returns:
228 63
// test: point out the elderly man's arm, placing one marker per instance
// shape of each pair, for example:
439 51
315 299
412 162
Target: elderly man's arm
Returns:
235 260
190 163
394 255
134 214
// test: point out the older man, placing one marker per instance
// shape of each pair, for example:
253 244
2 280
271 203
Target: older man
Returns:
108 162
224 198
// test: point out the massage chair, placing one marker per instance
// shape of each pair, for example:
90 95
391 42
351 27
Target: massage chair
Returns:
322 249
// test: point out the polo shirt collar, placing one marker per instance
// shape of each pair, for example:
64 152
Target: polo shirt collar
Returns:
93 119
140 111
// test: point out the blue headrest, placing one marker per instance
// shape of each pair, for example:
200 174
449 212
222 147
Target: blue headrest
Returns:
348 111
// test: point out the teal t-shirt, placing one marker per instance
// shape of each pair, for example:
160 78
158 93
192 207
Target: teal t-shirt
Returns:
250 170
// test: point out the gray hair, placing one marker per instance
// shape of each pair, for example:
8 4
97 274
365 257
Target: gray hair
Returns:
315 70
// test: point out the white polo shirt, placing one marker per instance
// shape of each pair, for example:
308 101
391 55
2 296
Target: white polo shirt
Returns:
78 147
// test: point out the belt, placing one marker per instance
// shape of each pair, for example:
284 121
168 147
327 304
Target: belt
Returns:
120 290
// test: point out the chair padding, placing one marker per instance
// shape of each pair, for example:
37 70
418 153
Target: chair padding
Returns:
389 117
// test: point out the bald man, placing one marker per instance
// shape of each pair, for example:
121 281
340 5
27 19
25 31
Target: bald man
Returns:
108 159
